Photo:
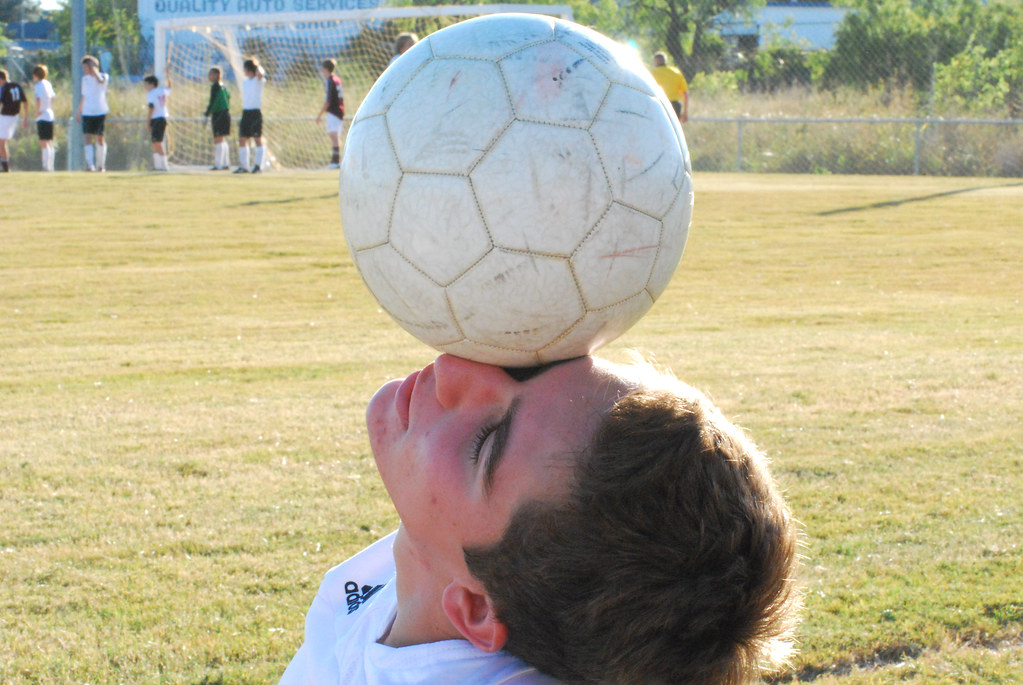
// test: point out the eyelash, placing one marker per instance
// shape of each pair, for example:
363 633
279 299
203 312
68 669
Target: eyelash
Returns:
481 437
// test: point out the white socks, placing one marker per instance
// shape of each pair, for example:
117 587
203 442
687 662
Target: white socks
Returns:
259 157
243 157
48 154
90 157
159 162
101 157
221 155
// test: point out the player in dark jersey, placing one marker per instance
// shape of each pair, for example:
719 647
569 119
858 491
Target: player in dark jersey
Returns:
219 114
334 108
12 102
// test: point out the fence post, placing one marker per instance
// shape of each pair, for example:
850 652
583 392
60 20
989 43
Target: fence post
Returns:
738 146
75 152
916 148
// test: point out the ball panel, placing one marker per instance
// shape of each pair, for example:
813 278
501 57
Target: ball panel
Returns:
552 83
674 232
407 295
515 301
393 80
368 183
640 151
598 328
615 261
489 354
437 226
618 63
559 172
461 103
491 37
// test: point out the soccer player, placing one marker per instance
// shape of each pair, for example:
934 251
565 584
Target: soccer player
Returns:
44 115
219 114
92 112
334 108
402 43
674 85
156 104
12 102
251 125
580 521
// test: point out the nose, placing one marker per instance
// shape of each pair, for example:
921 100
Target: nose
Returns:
460 380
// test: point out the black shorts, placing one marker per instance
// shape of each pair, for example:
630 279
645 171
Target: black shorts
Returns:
93 125
251 125
677 106
157 127
221 122
44 129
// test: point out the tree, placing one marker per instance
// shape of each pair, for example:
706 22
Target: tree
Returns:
18 10
683 28
109 24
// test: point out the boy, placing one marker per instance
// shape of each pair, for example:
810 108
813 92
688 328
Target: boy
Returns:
402 43
251 125
156 104
580 521
44 115
674 85
92 112
334 108
12 102
219 114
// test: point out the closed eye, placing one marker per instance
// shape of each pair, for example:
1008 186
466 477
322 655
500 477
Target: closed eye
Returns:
480 440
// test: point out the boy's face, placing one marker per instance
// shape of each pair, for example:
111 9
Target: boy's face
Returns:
460 445
88 68
214 77
149 86
326 74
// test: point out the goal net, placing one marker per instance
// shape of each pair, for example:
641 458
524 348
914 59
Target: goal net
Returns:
290 47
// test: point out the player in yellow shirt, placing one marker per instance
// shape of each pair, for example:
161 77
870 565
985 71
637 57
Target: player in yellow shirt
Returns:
674 85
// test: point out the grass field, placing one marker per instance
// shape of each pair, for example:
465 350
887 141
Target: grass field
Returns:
185 361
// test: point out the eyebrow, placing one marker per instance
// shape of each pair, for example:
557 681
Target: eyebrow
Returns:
501 434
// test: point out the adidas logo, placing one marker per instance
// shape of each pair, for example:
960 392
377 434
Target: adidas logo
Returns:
357 596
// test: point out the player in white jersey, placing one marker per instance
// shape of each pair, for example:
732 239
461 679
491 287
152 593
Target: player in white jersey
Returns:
580 521
156 104
44 115
251 125
92 112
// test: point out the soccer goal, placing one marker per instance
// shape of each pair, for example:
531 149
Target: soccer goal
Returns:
291 47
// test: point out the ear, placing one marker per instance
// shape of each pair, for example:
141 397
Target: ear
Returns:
472 615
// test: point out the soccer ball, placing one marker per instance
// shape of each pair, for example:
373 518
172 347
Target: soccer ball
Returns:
516 189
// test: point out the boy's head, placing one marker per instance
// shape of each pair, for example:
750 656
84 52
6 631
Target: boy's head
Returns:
643 524
151 82
660 59
214 75
251 67
89 64
39 72
404 41
3 76
328 66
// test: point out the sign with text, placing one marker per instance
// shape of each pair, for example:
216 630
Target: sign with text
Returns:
152 10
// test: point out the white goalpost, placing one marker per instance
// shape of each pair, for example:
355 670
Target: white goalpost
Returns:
291 47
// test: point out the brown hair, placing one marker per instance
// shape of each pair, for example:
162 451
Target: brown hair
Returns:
404 41
3 74
251 64
671 561
329 65
40 71
216 70
89 59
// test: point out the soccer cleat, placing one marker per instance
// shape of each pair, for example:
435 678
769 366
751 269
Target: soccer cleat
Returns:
241 170
333 165
256 170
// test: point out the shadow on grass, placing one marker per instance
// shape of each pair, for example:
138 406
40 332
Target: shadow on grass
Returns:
922 198
285 201
884 657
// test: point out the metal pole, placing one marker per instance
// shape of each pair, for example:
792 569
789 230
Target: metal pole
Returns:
738 146
75 151
916 149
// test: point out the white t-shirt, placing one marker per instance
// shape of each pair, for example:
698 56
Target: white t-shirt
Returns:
252 93
45 95
94 92
157 99
355 606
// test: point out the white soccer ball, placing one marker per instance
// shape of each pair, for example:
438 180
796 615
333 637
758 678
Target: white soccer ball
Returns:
516 190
